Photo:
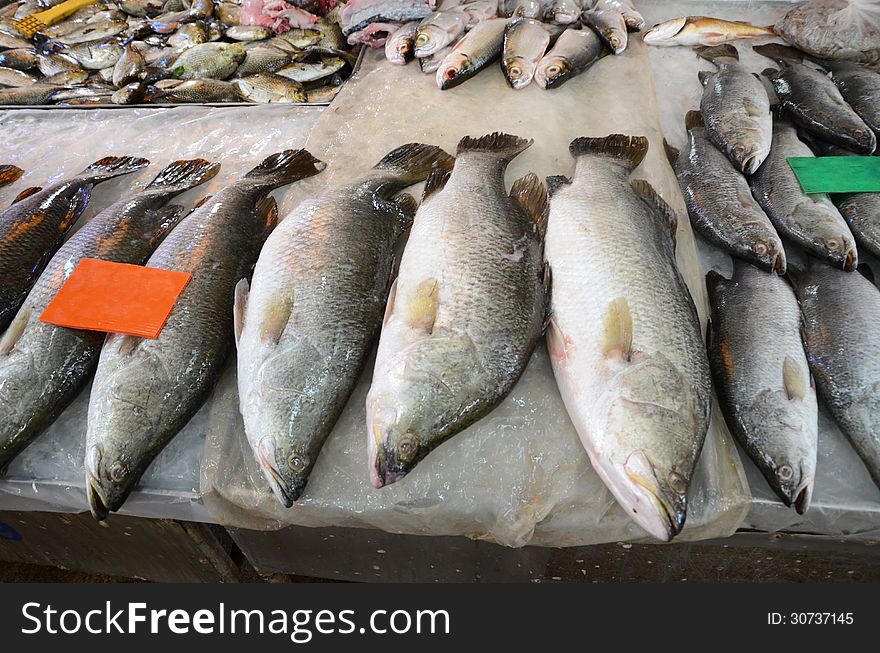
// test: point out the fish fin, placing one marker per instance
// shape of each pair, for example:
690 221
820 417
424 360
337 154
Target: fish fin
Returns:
531 195
617 331
547 285
715 52
275 318
672 153
285 168
113 166
652 198
423 305
770 72
406 206
389 305
169 215
693 119
555 341
15 330
27 192
267 208
242 290
793 380
631 150
78 204
752 108
715 283
183 175
9 174
704 76
555 182
778 52
504 145
202 202
710 339
414 162
436 181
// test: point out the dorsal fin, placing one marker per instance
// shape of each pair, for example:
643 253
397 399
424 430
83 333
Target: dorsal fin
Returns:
27 192
531 194
714 283
644 190
793 379
672 153
436 181
631 150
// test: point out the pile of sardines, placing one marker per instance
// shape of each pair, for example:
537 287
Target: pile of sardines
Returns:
549 41
169 51
775 322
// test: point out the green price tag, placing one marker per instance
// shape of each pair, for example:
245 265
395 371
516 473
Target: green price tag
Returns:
837 174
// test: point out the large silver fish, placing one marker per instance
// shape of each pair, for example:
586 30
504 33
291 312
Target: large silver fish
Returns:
860 87
525 42
439 30
862 213
720 203
841 312
466 311
624 336
574 51
146 390
606 17
736 109
400 46
43 367
314 309
479 47
33 228
811 221
762 377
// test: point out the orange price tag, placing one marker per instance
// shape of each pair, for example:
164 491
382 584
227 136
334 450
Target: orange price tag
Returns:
116 297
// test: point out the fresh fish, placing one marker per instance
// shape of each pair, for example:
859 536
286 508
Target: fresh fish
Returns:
270 87
841 312
129 68
479 11
10 42
466 311
632 18
141 8
736 109
431 63
9 174
323 94
304 71
162 57
170 377
132 93
521 8
562 12
228 13
249 33
204 91
860 87
624 337
400 46
355 15
574 51
188 36
299 38
15 78
66 78
94 55
525 42
81 95
862 213
25 59
820 147
762 377
438 30
52 64
720 203
479 47
809 220
263 59
27 95
813 101
702 30
328 263
608 21
90 32
214 60
43 367
33 228
331 34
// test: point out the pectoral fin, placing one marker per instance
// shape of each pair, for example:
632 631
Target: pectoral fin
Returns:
424 304
242 288
617 331
793 380
15 330
275 318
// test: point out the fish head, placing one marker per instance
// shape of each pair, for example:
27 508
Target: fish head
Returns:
429 39
518 71
403 50
665 33
747 149
111 474
553 72
761 241
829 237
456 68
286 465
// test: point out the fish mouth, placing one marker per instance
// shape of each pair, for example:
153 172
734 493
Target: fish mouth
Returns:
779 264
802 502
282 490
382 475
663 31
850 261
97 500
668 506
752 163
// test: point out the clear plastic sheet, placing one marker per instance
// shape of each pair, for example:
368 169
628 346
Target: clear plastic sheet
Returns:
50 145
519 476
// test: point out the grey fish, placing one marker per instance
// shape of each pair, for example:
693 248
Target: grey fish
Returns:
358 14
27 95
170 377
264 59
94 55
439 30
188 35
574 51
15 78
305 71
23 59
862 213
720 204
329 262
814 102
202 91
763 379
33 228
525 42
561 12
400 46
43 367
10 42
809 220
522 8
92 32
129 68
841 312
214 60
736 109
9 174
81 95
466 311
249 33
609 23
270 87
66 78
432 62
624 336
820 147
133 93
479 47
860 87
52 64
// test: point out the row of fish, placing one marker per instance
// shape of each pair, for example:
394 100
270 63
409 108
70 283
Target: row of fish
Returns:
742 194
142 51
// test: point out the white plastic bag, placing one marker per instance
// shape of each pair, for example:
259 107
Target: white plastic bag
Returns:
835 29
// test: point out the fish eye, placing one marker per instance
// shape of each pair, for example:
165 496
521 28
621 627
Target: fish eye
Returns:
677 483
514 71
118 471
761 249
785 473
553 70
858 133
451 73
407 446
832 244
422 39
296 462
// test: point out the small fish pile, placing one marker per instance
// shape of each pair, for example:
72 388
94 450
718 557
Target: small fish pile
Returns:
549 41
176 51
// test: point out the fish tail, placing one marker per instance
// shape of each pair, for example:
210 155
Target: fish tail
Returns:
9 174
285 168
531 195
183 175
414 162
631 150
779 52
503 145
717 52
113 166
